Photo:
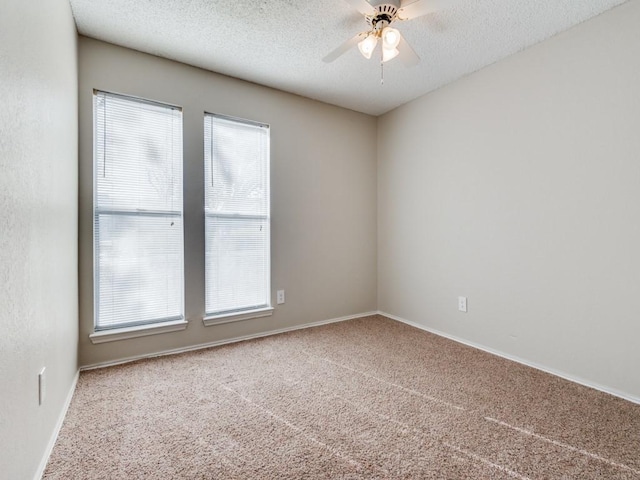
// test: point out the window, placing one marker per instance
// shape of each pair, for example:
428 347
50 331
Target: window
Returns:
138 233
237 223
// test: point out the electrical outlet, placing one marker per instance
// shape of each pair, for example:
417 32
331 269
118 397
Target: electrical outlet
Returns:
280 297
462 304
42 386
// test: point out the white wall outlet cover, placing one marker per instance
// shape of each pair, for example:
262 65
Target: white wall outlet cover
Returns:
280 297
462 304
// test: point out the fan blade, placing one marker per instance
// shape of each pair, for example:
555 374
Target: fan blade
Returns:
362 6
407 55
342 49
423 7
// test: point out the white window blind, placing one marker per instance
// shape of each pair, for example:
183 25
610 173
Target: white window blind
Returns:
138 234
237 211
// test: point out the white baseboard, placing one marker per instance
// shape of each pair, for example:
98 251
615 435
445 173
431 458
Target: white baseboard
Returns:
56 429
557 373
226 341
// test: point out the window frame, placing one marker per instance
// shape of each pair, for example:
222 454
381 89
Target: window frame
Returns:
124 330
258 311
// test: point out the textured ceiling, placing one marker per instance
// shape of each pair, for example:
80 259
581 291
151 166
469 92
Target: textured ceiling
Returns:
281 43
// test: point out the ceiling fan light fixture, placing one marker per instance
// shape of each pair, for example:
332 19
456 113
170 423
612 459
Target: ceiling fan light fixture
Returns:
367 46
379 15
390 38
389 54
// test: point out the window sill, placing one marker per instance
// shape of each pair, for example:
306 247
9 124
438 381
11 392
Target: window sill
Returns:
236 317
116 334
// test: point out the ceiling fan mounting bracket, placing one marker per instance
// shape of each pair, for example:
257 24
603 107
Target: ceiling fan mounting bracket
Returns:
379 3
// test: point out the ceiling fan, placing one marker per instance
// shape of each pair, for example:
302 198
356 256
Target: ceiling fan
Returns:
380 14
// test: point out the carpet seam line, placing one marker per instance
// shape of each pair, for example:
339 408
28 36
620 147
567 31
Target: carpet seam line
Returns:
563 445
465 452
299 430
406 389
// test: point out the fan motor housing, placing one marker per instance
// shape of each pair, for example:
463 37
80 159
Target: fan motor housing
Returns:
386 11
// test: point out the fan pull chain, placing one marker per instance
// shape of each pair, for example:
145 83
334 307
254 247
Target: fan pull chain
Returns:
381 67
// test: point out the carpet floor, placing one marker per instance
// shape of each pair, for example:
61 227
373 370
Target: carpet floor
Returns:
366 398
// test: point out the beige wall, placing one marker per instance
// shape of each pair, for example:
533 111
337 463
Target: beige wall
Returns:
38 226
323 178
519 187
